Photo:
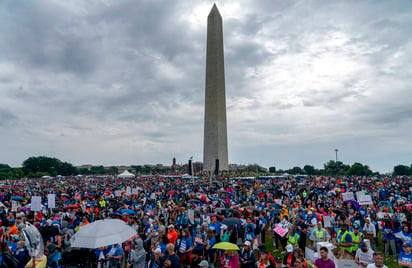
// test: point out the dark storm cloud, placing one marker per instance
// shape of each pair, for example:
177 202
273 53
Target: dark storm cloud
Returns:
110 74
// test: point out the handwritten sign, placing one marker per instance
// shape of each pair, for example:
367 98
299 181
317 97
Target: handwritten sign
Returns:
51 200
128 191
280 231
117 193
35 203
348 196
135 191
365 200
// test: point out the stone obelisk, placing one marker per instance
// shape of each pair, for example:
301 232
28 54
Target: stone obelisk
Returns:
215 132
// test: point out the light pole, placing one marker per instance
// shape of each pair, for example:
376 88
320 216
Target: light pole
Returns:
336 153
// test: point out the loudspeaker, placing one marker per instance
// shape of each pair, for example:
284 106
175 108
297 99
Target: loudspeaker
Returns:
217 167
190 168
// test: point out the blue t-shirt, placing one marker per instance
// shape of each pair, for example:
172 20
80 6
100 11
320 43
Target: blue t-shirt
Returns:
405 258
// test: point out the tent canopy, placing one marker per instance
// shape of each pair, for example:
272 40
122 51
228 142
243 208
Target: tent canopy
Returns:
126 174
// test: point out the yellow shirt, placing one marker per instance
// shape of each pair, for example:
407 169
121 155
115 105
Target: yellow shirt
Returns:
40 262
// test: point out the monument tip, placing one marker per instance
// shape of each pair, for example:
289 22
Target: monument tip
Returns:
214 10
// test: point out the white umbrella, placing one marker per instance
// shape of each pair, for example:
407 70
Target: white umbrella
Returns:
102 233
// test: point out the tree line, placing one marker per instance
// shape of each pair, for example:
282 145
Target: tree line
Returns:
39 166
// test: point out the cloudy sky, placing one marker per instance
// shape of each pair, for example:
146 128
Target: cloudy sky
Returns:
122 81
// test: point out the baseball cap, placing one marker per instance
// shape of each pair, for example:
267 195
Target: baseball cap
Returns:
204 264
362 245
278 259
171 226
406 245
289 248
247 243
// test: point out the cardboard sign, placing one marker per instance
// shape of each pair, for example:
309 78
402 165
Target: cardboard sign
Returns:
280 231
35 203
326 222
348 196
51 200
128 191
117 193
135 191
365 200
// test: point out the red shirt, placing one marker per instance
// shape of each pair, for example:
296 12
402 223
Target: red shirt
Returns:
172 236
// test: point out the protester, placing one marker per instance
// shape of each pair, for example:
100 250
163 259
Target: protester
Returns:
324 261
364 255
377 261
405 257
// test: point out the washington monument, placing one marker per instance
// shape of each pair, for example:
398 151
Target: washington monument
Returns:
215 131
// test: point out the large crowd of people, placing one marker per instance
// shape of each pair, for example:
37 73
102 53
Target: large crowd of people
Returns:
178 220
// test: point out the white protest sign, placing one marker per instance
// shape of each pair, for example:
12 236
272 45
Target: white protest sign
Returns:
365 200
191 215
117 193
359 193
326 222
135 191
280 231
51 200
128 191
35 203
348 196
278 201
14 205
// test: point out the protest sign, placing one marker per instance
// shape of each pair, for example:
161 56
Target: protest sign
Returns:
128 191
117 193
326 222
280 231
135 191
51 200
14 205
35 203
348 196
365 200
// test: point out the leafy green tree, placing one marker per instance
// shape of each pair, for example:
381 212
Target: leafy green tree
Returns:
401 170
359 170
272 169
309 170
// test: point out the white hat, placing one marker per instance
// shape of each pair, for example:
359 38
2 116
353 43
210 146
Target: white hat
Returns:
171 226
247 243
289 248
204 264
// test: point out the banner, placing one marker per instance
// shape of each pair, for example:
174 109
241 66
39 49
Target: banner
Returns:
51 200
35 203
365 200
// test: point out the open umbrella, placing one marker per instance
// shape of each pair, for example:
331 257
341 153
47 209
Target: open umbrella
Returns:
354 203
226 246
102 233
232 221
33 241
127 211
17 198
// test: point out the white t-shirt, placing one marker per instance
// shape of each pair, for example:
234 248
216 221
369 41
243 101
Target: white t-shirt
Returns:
372 265
366 257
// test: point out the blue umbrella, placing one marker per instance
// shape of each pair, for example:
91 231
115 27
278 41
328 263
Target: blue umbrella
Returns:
127 211
17 198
